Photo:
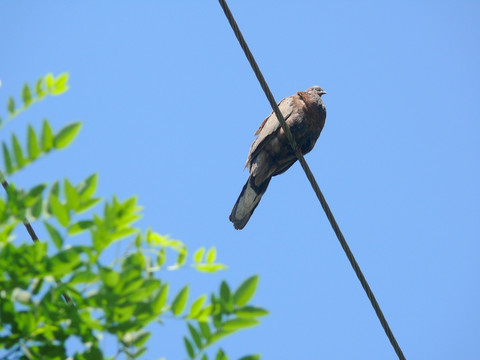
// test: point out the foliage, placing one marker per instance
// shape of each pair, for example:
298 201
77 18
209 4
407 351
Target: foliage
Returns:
52 291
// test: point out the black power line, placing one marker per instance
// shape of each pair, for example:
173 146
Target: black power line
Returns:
312 180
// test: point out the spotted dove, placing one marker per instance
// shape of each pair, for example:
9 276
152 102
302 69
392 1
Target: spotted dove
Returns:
271 154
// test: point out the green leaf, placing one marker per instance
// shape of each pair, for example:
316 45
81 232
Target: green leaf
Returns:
84 206
198 255
11 106
161 299
33 149
209 268
250 311
109 277
211 255
195 336
138 240
73 199
93 353
36 208
205 313
180 301
61 81
80 226
205 329
55 189
8 312
143 293
83 277
47 136
139 352
151 286
245 291
251 357
119 234
239 323
87 319
26 95
7 159
142 339
39 85
18 152
197 306
60 84
49 80
161 257
189 347
26 322
65 136
225 293
64 262
87 188
134 261
221 355
218 335
59 210
37 285
182 257
54 235
135 284
155 239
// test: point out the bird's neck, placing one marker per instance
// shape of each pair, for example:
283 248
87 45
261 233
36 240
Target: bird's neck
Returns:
308 99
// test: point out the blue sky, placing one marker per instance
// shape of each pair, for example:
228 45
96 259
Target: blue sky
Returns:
170 105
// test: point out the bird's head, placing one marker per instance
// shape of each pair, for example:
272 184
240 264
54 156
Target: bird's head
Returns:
316 90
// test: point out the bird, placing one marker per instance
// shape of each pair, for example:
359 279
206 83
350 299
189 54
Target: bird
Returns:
271 154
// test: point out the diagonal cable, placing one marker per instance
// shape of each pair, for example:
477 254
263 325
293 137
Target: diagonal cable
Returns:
312 180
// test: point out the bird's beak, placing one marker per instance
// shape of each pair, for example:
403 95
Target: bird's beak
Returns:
323 92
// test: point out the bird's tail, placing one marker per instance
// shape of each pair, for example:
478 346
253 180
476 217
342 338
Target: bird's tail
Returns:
247 202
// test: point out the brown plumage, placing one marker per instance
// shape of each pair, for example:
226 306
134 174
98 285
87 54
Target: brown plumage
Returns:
271 154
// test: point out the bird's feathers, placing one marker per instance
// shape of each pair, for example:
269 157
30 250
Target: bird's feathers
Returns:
269 128
271 154
247 202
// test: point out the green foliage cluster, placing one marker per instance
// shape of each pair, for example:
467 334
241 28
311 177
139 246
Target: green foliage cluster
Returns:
231 313
15 158
49 295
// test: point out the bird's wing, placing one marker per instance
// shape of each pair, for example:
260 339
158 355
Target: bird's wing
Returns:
269 127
